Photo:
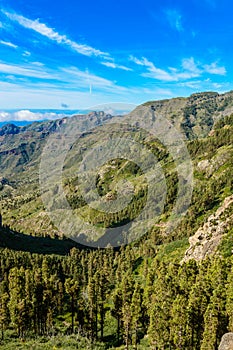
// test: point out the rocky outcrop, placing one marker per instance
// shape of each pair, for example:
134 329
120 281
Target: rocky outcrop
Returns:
226 342
207 238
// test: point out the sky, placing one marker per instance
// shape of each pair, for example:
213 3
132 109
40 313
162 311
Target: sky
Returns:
77 54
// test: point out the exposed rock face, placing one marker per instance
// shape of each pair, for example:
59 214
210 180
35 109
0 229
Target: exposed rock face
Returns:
207 238
226 342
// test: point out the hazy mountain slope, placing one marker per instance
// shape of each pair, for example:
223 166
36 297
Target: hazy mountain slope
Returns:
21 147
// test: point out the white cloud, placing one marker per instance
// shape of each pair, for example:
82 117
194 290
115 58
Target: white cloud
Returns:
190 65
189 69
8 43
141 62
25 114
157 91
214 69
5 116
116 66
153 71
192 84
51 34
39 64
206 84
174 18
217 85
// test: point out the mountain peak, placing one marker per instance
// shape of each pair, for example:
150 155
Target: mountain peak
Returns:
9 129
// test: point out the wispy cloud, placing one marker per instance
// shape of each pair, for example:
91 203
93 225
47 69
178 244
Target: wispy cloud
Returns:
207 84
214 69
190 65
152 70
115 66
36 75
51 34
84 78
39 64
8 43
174 18
26 71
192 84
189 69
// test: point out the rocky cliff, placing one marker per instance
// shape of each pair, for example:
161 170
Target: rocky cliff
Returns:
208 237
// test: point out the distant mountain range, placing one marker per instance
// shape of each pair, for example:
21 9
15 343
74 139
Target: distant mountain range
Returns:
22 117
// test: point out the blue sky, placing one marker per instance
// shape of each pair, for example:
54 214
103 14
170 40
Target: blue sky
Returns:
76 54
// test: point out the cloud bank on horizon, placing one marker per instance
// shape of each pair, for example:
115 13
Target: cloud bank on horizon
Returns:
27 115
54 56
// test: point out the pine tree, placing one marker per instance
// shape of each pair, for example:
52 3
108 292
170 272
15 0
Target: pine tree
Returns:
127 286
196 307
17 303
178 323
4 311
92 306
72 287
229 297
117 310
136 312
209 341
37 299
